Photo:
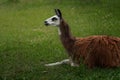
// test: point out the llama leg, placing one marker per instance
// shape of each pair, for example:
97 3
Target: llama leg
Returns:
73 63
66 61
90 61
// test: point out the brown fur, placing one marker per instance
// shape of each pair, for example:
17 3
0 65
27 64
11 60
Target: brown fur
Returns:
102 51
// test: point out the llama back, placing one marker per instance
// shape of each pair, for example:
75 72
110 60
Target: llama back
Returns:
102 51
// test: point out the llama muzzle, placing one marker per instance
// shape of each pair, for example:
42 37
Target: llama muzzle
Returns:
46 23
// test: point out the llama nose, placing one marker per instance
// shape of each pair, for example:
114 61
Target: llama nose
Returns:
46 23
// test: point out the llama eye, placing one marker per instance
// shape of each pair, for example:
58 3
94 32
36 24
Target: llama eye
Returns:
54 19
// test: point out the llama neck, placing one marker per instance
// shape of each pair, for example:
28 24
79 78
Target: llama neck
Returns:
65 35
64 30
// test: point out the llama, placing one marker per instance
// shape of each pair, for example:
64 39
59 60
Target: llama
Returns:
95 51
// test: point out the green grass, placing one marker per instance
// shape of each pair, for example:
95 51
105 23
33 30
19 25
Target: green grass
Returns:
26 44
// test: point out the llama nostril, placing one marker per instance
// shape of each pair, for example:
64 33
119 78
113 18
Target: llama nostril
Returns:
46 23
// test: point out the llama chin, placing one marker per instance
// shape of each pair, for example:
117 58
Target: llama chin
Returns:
96 51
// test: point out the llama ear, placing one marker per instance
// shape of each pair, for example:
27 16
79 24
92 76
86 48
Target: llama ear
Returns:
58 13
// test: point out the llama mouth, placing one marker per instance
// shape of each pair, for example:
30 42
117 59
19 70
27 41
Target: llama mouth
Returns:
46 24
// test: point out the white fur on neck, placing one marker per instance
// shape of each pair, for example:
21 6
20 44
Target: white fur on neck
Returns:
59 32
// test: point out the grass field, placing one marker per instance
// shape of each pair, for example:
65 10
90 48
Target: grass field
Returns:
26 44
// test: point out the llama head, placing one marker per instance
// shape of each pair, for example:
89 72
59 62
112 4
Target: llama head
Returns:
54 20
